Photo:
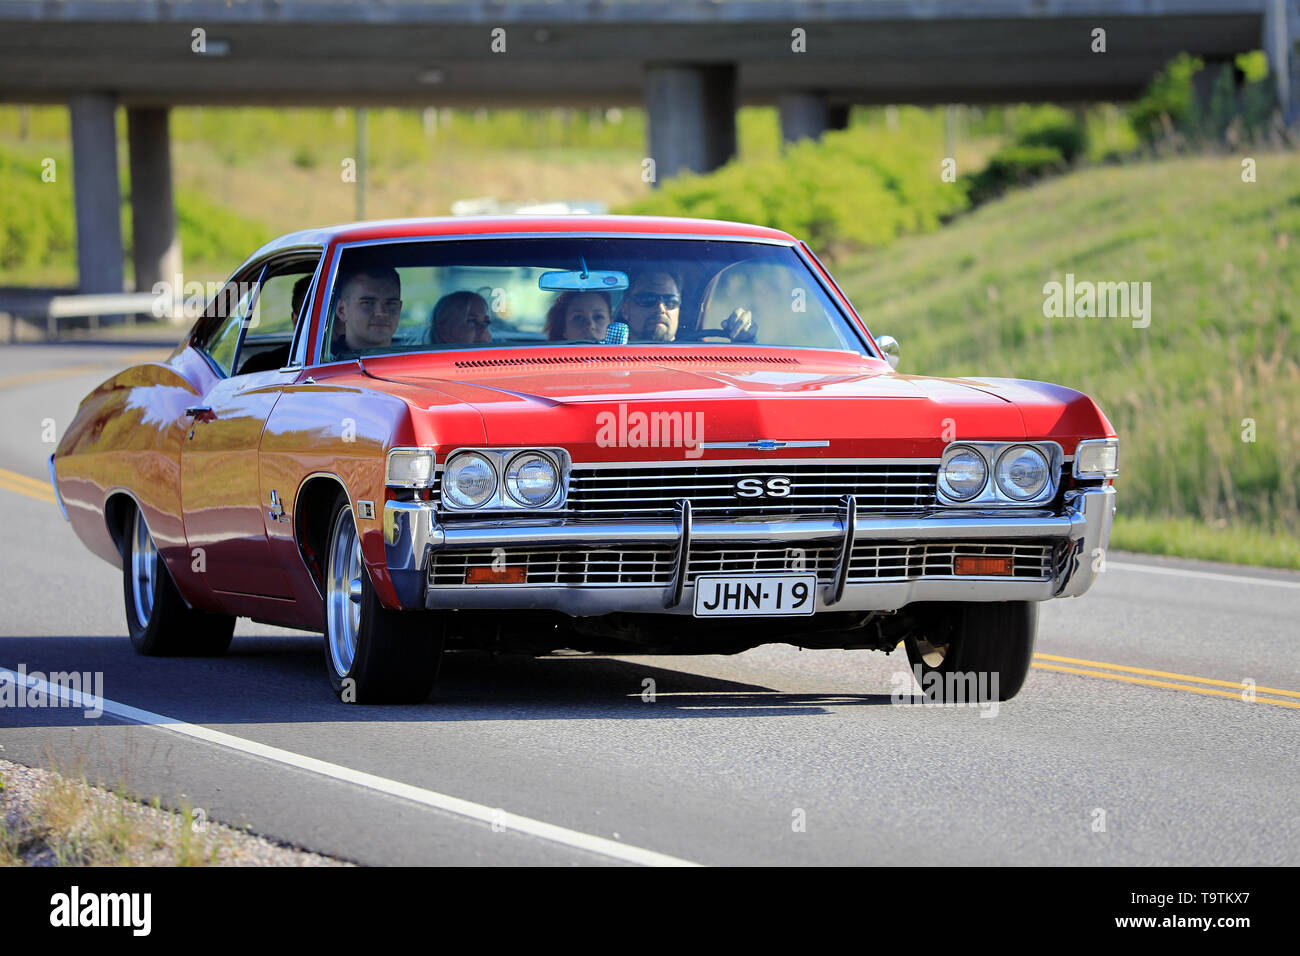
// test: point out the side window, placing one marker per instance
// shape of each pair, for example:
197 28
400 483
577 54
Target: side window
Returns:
221 345
276 312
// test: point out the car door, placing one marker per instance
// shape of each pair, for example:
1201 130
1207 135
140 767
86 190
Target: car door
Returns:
221 501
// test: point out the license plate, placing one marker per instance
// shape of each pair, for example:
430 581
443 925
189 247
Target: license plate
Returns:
753 595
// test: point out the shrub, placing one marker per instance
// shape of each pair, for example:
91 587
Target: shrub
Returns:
1015 165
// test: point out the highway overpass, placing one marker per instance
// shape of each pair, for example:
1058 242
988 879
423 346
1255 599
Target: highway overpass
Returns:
690 63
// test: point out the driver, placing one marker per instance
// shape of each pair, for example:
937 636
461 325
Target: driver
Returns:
652 309
365 317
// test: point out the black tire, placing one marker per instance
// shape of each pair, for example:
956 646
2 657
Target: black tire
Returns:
394 654
989 646
157 618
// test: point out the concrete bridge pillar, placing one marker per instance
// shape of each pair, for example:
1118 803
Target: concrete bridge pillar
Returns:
803 116
691 113
156 246
1281 41
95 193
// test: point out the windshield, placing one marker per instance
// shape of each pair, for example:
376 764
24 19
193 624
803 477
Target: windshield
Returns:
493 293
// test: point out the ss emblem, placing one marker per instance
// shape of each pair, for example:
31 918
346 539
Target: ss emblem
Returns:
757 488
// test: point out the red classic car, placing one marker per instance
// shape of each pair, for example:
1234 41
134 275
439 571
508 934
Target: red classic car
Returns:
608 434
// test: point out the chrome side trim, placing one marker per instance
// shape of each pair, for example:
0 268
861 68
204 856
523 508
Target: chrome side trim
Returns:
54 483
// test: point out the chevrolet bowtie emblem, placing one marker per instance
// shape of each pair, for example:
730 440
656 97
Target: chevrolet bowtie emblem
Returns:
766 445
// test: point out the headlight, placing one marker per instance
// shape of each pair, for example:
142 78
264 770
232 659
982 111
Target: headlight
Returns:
532 479
410 468
1097 458
962 474
1022 472
469 480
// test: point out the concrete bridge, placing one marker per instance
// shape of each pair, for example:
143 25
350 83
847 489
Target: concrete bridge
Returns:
689 62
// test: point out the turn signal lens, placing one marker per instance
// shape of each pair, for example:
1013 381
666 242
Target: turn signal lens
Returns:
980 564
410 468
1097 458
510 574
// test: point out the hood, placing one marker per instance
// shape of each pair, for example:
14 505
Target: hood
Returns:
843 406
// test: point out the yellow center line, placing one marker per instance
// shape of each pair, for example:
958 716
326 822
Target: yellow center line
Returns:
23 485
1150 673
1166 684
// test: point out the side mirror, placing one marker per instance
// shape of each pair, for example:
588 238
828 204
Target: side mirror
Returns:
889 346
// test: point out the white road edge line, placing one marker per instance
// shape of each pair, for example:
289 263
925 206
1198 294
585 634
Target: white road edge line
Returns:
1205 575
428 798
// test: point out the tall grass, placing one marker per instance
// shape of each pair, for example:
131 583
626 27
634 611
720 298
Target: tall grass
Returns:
1207 398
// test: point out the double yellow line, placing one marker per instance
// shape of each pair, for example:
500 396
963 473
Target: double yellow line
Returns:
1190 685
12 481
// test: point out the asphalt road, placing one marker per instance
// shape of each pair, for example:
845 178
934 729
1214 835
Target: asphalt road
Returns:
1130 744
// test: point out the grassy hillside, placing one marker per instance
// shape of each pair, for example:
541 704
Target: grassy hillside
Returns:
1218 366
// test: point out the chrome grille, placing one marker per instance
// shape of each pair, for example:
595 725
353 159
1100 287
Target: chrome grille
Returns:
645 491
630 567
653 567
715 559
931 559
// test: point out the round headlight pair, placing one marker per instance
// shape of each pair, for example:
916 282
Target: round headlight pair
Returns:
1021 473
470 480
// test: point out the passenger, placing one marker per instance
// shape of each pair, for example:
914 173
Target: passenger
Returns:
368 309
579 315
652 310
460 318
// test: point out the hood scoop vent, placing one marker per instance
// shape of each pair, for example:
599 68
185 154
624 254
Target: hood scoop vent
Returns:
663 358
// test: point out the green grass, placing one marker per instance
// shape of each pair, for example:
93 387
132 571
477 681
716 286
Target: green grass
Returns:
1188 538
1221 351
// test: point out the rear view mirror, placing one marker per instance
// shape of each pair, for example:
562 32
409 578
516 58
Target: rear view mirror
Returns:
583 281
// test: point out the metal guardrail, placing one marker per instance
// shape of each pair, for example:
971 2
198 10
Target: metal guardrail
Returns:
53 306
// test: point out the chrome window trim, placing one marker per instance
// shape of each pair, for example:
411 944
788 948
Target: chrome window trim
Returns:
842 301
315 357
301 331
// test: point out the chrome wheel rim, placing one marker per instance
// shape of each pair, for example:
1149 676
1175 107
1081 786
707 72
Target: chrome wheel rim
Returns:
932 654
343 593
144 570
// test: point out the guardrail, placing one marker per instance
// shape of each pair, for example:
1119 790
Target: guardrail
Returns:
52 306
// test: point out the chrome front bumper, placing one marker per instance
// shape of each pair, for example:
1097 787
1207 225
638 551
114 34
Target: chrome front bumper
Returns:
412 533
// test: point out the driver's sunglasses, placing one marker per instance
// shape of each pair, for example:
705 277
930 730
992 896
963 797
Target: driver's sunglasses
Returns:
648 300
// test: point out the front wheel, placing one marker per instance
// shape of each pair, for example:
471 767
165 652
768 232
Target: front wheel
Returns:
982 652
373 655
157 617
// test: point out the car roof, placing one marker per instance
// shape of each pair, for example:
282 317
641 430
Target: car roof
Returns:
516 224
